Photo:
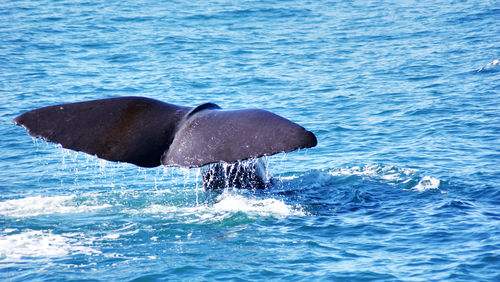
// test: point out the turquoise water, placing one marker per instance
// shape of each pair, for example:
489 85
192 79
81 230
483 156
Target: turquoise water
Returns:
403 185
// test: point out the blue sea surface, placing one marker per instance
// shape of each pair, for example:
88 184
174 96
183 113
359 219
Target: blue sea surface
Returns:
404 184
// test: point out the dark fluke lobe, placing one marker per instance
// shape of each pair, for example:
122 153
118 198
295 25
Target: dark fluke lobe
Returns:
148 132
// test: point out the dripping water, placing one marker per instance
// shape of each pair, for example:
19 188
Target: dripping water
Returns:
249 174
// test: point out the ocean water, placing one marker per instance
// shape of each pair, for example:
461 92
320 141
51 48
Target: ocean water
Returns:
404 184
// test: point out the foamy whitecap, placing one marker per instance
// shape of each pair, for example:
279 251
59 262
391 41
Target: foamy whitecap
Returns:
40 244
493 63
38 205
288 178
229 203
427 183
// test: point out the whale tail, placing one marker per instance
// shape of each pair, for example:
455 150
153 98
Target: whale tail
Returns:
148 132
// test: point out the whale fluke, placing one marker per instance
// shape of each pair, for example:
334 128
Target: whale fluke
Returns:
148 132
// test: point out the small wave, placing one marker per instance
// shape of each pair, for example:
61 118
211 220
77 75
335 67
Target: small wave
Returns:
126 230
489 65
407 178
40 244
427 183
38 205
390 174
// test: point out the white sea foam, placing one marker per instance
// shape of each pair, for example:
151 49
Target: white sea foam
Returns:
40 245
230 202
227 204
427 183
288 178
39 205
